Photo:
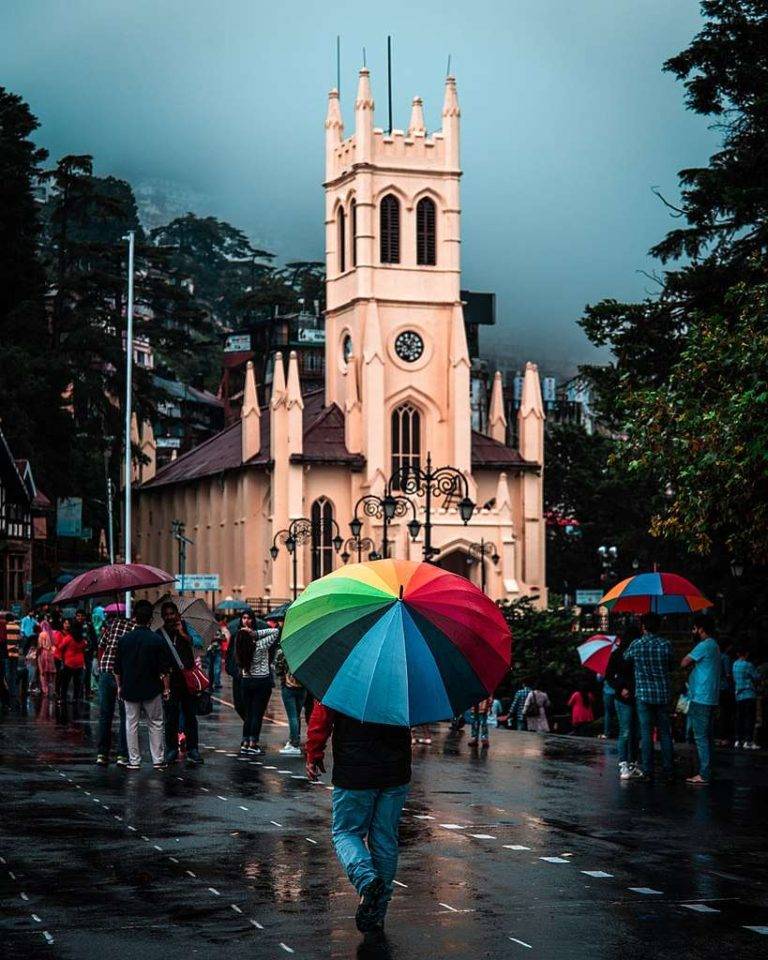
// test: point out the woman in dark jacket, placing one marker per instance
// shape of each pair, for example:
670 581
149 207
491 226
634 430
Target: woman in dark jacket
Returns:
180 701
620 674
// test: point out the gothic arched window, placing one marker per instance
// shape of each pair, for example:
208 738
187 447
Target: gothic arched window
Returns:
353 231
426 232
389 229
322 537
342 240
406 440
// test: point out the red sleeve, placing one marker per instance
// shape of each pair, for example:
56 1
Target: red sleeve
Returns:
319 729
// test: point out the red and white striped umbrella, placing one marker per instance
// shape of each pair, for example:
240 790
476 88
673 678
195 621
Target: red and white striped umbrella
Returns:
596 652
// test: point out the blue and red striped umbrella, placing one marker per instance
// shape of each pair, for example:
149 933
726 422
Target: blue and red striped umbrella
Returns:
655 593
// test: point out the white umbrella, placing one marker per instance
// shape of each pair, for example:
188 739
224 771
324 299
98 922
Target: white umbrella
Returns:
194 611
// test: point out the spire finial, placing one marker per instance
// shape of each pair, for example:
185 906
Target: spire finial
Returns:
416 125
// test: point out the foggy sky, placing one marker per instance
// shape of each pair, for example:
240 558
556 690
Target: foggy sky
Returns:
567 124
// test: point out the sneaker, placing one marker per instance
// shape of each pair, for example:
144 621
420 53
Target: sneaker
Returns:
625 773
255 750
635 772
366 916
160 766
121 760
102 760
286 748
194 759
736 745
289 750
754 746
133 766
601 736
472 742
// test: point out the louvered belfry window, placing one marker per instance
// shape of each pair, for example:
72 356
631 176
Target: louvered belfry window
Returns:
389 229
353 230
406 442
342 241
426 227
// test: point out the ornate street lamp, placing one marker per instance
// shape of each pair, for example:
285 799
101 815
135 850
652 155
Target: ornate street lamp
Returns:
479 551
359 544
608 557
446 482
300 531
386 509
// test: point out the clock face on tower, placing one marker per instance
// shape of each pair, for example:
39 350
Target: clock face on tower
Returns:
409 346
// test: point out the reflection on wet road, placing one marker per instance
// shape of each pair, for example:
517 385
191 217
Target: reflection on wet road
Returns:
533 849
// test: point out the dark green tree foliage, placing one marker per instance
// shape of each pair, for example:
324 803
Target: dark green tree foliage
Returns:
31 380
719 252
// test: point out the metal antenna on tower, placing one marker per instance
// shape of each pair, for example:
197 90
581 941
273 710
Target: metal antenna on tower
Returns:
448 68
364 63
389 80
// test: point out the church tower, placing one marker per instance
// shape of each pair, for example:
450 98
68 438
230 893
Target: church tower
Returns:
396 351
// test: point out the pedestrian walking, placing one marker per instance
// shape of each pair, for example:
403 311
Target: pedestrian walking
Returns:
114 628
517 707
46 665
141 667
89 635
479 725
652 657
180 702
72 652
30 653
582 703
535 711
371 774
213 662
293 695
256 683
704 694
621 676
745 683
13 652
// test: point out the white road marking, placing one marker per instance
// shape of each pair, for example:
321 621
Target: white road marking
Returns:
286 947
180 779
132 828
87 793
270 768
214 891
646 891
11 874
452 826
522 943
257 924
24 896
597 874
173 859
117 817
448 907
482 836
762 930
220 797
157 847
205 789
190 874
399 884
3 860
310 840
242 807
276 823
283 771
299 776
422 816
48 937
36 918
699 907
145 838
235 908
554 859
515 846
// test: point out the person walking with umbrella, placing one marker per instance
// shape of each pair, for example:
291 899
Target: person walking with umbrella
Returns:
385 646
256 683
176 635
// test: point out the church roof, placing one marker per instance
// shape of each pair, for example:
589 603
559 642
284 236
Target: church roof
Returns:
323 443
489 454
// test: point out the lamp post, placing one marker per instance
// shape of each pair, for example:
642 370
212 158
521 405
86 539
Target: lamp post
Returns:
479 551
298 532
447 482
177 532
359 544
128 411
386 509
608 557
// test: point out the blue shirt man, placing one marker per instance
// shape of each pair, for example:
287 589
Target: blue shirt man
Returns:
28 625
704 692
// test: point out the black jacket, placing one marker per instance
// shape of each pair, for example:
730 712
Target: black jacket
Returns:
620 673
370 756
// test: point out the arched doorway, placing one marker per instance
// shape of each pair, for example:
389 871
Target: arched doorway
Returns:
456 561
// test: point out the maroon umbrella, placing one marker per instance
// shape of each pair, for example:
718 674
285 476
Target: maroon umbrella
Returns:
113 578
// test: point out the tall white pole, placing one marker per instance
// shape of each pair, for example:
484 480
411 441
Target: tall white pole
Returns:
128 412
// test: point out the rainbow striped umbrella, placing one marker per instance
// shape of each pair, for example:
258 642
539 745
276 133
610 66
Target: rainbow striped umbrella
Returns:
396 642
596 652
655 593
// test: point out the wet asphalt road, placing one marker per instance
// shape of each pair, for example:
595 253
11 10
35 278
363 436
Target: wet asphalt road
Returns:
534 849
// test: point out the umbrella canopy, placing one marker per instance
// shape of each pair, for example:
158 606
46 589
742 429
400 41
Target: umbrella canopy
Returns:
596 652
396 642
228 603
46 597
114 608
194 611
655 593
113 578
279 612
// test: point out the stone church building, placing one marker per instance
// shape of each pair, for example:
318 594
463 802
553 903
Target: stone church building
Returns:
397 389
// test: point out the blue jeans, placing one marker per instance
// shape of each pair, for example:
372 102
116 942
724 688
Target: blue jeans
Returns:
653 715
293 701
702 717
107 701
627 733
609 705
372 815
479 725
